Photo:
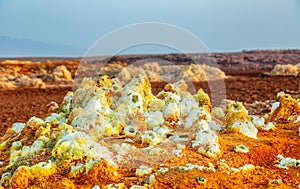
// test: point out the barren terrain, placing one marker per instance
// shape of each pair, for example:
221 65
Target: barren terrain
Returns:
246 81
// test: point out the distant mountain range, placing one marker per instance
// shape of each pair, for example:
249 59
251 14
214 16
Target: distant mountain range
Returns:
13 47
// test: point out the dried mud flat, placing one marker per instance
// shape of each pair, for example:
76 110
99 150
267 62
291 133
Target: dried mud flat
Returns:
243 83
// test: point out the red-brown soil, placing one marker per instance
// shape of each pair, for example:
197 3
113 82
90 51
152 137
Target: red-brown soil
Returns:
20 104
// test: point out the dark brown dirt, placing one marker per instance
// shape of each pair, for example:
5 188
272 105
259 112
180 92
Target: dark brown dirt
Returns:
255 62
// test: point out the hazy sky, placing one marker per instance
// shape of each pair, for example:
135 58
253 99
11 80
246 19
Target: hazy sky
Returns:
223 25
